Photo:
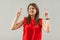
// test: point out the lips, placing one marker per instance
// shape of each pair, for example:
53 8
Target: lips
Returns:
32 11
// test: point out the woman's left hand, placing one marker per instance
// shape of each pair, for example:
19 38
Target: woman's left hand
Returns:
46 13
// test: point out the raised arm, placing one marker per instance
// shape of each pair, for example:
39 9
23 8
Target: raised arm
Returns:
14 24
46 23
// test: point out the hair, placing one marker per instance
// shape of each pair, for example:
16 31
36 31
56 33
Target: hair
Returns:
36 15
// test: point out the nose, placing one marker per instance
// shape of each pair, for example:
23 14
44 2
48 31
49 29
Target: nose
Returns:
31 8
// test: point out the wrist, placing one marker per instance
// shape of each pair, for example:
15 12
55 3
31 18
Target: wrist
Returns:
16 17
47 18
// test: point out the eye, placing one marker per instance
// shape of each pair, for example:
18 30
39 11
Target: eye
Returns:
33 8
29 8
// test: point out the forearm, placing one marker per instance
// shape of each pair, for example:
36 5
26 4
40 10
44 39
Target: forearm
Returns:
48 25
14 23
47 21
13 26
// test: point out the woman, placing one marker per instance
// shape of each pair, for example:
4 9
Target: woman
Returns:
32 24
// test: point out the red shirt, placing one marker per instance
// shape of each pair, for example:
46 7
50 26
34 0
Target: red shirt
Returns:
31 31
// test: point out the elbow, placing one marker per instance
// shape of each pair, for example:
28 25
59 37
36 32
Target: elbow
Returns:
12 28
48 30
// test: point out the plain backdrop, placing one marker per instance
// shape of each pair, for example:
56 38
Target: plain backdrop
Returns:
8 10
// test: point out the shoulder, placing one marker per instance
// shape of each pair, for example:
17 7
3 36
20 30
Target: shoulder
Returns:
40 18
25 18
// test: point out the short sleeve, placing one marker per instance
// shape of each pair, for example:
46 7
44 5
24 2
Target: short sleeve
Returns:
24 21
40 22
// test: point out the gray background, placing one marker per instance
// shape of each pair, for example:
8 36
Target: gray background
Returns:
8 10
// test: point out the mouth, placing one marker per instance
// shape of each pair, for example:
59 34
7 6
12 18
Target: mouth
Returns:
31 11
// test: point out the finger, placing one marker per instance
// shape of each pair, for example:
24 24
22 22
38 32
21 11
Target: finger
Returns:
20 9
46 13
44 9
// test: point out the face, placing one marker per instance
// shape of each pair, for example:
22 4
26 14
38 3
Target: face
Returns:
31 10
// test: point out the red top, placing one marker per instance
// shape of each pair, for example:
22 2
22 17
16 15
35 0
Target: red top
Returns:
31 31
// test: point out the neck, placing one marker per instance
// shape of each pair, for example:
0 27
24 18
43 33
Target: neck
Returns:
32 17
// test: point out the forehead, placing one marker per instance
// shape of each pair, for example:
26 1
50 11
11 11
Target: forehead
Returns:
31 6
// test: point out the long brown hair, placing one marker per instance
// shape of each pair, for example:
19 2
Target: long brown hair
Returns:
36 15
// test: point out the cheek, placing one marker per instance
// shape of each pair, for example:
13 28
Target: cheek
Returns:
28 11
35 11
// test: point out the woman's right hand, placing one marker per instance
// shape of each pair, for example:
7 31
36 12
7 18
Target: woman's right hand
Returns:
18 13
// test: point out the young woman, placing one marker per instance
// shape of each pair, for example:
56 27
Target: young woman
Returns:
32 24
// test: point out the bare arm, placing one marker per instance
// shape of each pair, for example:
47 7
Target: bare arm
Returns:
14 24
46 24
